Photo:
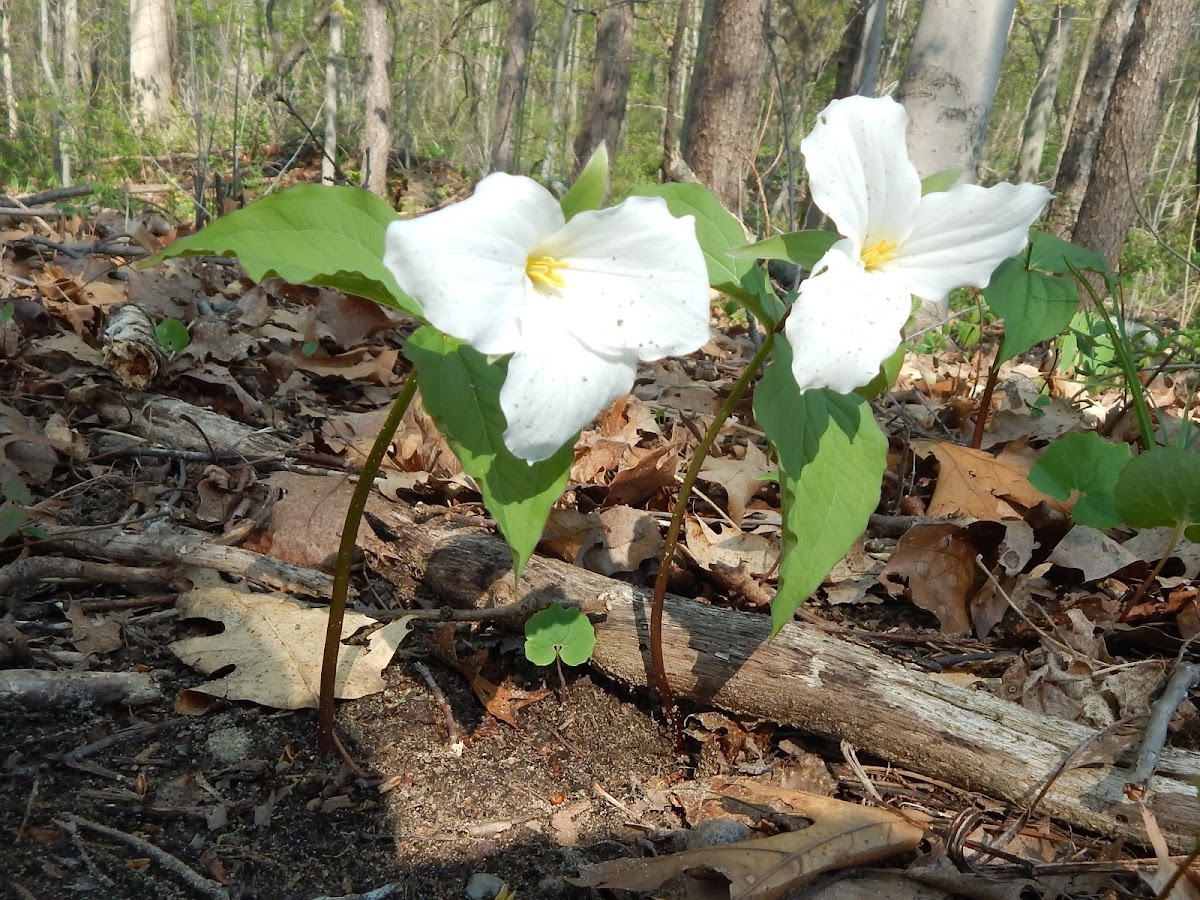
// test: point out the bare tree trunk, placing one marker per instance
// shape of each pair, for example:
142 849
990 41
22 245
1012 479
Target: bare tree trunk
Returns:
726 90
151 58
510 93
1160 28
285 60
6 73
332 63
378 42
1041 104
950 82
676 77
1075 168
862 44
604 110
550 161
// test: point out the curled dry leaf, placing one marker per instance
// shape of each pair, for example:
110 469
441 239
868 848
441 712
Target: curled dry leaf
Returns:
841 835
731 546
741 479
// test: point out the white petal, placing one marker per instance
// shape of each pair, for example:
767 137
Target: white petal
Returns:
555 386
859 172
466 263
635 280
845 323
960 236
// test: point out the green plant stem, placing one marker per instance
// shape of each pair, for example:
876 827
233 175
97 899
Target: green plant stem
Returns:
1121 345
345 559
658 664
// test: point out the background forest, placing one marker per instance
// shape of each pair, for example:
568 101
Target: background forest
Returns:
215 99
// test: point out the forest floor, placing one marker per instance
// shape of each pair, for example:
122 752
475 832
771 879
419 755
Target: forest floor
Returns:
462 767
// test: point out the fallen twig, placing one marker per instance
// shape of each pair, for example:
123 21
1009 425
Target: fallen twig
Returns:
1183 679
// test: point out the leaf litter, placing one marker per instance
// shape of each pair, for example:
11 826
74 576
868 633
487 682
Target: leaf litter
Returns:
252 433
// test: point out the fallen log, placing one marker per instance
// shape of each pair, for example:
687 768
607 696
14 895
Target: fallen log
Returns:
812 680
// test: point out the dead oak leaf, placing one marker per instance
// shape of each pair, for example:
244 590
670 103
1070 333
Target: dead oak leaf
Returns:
976 485
274 645
741 479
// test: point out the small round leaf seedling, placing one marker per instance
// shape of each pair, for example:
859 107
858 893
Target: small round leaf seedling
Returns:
1161 487
172 335
558 633
1086 463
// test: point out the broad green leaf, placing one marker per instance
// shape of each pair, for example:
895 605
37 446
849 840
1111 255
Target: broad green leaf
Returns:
1161 488
13 488
558 632
1035 306
1053 254
6 312
590 188
718 231
12 520
1087 463
940 181
172 335
308 234
804 248
461 391
832 456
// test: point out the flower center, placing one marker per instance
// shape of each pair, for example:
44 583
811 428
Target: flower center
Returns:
543 271
878 253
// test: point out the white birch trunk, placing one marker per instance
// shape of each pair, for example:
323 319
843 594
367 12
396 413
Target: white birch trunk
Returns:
950 81
151 59
6 73
550 162
332 63
1041 104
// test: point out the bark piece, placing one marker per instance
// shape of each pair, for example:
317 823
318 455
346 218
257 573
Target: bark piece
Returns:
34 689
817 682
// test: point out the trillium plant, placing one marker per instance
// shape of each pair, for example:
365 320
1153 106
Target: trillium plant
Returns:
539 311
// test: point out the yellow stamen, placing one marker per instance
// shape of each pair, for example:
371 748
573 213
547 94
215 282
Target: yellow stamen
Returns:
878 253
543 270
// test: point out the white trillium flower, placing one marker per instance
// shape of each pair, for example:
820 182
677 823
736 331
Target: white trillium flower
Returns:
577 303
895 243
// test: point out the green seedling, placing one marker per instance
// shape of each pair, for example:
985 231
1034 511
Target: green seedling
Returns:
172 335
559 635
1087 463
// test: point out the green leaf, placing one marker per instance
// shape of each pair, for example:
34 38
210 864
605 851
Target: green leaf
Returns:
461 391
1053 254
940 181
13 488
590 188
558 632
1087 463
1035 306
832 456
308 234
6 312
1160 487
172 335
804 248
12 520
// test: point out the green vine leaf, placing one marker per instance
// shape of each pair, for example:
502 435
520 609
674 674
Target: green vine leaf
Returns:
1035 306
1087 463
1161 488
461 391
832 456
308 234
559 632
804 248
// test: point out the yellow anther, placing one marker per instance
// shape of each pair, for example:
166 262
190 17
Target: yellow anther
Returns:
543 270
878 253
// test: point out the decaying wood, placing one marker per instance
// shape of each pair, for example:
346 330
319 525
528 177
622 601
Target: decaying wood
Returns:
36 689
817 682
162 541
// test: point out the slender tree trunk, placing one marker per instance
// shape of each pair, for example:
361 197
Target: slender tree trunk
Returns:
151 58
1075 168
950 81
726 92
604 110
556 97
332 63
862 44
699 57
676 76
510 88
1041 104
6 73
377 42
1107 212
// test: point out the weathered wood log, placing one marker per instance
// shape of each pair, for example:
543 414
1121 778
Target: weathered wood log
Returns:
31 689
814 681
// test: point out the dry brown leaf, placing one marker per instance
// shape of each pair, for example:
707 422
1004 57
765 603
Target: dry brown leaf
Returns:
842 835
938 563
1091 551
974 484
731 547
275 643
649 475
741 479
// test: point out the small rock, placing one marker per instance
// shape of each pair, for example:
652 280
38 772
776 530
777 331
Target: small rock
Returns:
483 886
